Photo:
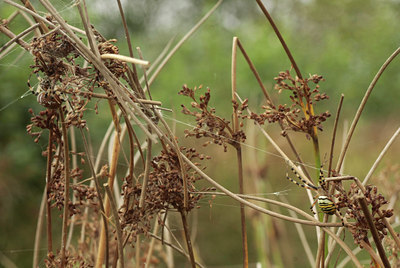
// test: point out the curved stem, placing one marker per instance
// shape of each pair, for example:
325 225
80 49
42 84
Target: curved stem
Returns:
361 107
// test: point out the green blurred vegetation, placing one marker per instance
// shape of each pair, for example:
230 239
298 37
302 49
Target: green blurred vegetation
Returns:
345 41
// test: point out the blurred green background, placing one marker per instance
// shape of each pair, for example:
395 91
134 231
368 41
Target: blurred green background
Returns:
345 41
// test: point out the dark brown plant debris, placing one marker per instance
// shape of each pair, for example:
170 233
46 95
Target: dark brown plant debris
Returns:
299 116
164 190
210 125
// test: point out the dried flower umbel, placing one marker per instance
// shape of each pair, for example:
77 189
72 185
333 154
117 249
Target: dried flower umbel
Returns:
210 125
299 116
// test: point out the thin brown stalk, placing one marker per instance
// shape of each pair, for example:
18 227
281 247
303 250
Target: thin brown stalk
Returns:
112 172
278 34
12 36
19 36
88 29
339 109
64 231
374 232
114 211
236 128
131 133
319 259
43 27
39 227
129 43
48 199
146 174
74 181
188 240
361 108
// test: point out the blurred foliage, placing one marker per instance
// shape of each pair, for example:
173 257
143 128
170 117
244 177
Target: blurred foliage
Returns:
345 41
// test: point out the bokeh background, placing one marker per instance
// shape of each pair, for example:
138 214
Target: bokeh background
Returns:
345 41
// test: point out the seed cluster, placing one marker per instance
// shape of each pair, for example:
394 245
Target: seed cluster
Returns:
210 125
164 191
299 116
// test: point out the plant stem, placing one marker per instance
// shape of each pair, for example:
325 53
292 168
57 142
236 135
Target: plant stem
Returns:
278 34
236 129
374 232
48 201
39 226
114 211
66 189
187 236
339 109
112 172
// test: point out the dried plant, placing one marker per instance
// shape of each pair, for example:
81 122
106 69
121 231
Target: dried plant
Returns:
120 227
298 116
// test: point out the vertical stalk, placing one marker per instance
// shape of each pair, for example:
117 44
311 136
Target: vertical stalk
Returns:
118 229
39 227
112 171
48 202
187 236
146 173
235 127
66 189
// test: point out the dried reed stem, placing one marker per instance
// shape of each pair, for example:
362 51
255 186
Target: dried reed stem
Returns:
278 34
146 174
114 211
66 189
236 128
361 107
187 236
151 246
125 58
48 190
43 28
39 227
112 172
18 36
14 37
374 232
339 109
